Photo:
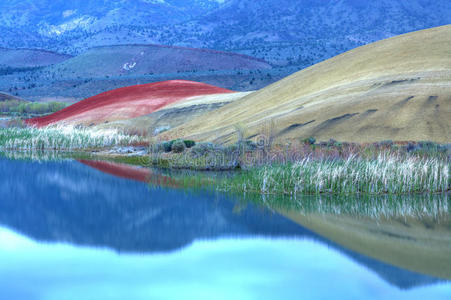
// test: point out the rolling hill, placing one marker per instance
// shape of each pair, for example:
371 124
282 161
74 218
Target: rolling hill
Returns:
398 89
29 58
126 103
133 60
8 97
105 68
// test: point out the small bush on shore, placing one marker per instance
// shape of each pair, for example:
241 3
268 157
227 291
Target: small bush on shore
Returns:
167 146
178 146
189 143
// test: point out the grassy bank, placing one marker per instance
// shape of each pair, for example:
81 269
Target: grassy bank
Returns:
62 139
314 169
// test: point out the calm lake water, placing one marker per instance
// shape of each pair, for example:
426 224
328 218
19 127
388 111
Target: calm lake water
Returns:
84 230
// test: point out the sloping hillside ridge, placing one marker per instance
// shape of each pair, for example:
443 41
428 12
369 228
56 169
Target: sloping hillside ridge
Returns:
152 59
29 58
7 97
395 89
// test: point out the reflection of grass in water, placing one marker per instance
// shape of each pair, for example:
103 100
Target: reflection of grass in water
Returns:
375 206
382 206
42 156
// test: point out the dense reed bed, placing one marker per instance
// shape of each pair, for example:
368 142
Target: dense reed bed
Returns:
384 174
62 138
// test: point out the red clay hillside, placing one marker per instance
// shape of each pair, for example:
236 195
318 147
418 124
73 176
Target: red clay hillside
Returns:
127 102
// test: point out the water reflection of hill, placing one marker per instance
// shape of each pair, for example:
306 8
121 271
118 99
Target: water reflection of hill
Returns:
411 232
70 202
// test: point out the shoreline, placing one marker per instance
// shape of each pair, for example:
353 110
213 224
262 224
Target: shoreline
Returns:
308 177
300 166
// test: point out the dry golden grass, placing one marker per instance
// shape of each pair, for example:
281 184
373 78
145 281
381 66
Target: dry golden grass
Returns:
398 89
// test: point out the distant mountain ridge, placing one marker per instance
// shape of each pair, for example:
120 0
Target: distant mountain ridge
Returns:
288 34
284 32
7 97
29 58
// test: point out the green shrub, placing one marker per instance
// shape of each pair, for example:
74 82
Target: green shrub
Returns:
178 146
189 143
167 146
202 149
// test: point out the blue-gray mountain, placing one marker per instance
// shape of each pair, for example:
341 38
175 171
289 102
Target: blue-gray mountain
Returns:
284 32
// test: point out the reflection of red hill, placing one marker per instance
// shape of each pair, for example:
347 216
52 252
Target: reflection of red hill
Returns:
130 172
119 170
128 102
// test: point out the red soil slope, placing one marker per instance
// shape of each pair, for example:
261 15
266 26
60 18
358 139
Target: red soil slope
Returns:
127 102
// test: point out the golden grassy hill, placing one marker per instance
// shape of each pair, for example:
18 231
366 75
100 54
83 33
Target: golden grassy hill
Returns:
398 89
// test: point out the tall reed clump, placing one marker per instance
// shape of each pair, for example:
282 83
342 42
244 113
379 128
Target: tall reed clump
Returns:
62 138
385 174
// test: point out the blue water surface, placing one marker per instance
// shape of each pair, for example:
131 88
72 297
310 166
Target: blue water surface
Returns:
69 231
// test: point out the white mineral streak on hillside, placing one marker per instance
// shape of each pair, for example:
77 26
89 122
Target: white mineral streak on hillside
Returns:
129 66
209 99
83 22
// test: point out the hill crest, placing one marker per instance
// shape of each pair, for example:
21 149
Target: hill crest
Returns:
126 103
396 89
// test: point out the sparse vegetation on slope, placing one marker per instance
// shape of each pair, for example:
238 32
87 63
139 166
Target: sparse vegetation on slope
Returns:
17 107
